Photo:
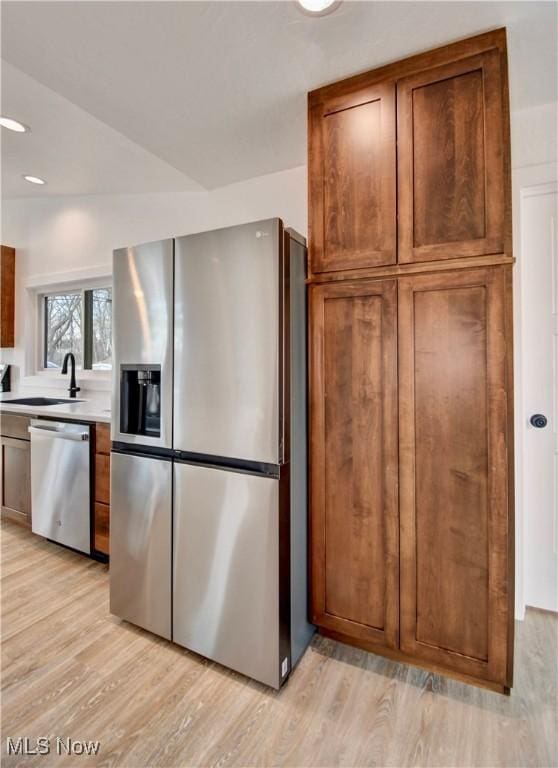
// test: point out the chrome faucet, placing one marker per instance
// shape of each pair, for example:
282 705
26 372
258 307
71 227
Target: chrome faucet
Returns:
72 389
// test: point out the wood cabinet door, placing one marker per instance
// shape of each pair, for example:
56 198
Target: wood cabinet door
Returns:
7 296
352 181
16 479
455 507
102 438
451 143
102 528
102 478
354 513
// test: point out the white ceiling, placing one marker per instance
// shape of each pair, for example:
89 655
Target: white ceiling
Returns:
216 91
74 151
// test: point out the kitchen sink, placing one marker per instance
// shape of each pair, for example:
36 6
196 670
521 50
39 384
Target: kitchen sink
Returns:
40 401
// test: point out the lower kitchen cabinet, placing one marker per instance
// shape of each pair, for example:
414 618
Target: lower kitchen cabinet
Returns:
355 519
16 468
455 458
102 525
102 478
411 468
101 507
16 479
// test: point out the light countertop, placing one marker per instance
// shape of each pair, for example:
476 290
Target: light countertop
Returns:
93 406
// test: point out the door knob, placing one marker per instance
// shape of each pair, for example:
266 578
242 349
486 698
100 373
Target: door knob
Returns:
538 420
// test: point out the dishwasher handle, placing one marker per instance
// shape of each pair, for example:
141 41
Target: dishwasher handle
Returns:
75 436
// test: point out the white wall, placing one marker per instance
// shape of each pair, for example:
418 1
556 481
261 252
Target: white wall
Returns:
534 135
61 239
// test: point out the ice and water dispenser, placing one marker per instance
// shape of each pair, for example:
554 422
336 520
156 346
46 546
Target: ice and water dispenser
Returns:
140 400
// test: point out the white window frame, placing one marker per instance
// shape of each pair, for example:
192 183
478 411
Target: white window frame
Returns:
41 297
35 289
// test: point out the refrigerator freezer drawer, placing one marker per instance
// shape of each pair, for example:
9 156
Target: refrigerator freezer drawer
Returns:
140 541
226 570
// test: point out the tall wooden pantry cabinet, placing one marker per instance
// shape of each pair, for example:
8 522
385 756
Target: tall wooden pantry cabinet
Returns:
411 395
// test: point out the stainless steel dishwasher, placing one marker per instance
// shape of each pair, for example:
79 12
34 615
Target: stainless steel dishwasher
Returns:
60 482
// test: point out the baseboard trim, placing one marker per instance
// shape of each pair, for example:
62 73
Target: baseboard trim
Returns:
541 610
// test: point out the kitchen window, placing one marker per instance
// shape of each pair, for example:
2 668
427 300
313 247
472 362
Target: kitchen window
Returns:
78 321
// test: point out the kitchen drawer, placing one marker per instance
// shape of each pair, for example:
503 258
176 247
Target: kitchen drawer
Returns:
13 425
102 478
102 528
102 438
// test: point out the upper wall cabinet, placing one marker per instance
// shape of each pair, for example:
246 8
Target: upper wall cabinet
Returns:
353 180
450 160
409 163
7 296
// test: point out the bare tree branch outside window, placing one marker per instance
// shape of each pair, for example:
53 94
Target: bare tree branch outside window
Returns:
65 328
63 314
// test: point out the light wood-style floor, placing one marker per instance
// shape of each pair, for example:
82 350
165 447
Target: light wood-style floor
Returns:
70 669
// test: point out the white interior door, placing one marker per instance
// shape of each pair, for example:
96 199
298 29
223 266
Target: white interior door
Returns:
539 213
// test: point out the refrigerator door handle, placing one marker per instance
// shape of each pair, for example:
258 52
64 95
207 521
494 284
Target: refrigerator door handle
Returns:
284 346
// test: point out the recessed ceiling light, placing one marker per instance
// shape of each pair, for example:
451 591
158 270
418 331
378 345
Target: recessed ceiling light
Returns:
12 125
319 7
34 180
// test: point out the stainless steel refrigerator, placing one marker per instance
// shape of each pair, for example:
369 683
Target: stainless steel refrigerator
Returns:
208 473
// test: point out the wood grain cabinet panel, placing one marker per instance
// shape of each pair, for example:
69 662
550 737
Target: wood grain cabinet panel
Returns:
7 296
451 135
101 520
102 438
354 519
102 525
353 180
102 478
411 418
456 573
16 479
